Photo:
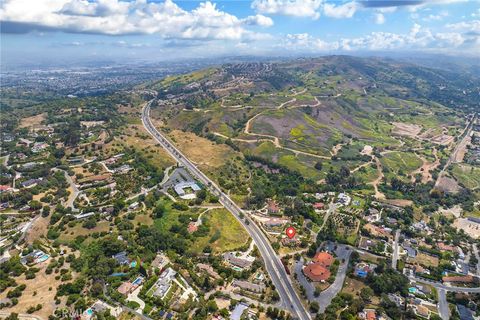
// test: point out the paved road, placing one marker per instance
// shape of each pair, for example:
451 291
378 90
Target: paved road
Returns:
443 309
76 192
453 155
445 287
289 298
395 250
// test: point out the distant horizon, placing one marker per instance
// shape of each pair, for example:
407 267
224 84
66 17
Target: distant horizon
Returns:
7 66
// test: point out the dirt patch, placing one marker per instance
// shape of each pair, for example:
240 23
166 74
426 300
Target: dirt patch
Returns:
424 260
406 129
426 168
470 227
461 150
442 139
200 150
399 202
41 284
33 121
448 185
39 229
367 150
455 211
71 233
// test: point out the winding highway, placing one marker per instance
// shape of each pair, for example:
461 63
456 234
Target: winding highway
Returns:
288 296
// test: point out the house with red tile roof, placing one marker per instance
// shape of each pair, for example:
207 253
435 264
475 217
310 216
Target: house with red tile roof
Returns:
316 272
273 207
192 227
459 279
323 258
5 188
445 247
318 269
318 205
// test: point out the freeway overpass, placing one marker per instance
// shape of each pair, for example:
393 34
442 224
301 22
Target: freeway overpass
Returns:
288 296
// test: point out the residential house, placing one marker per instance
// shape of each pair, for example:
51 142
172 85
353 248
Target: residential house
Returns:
344 199
318 270
121 258
464 312
4 188
39 146
239 262
367 244
459 279
367 314
362 269
192 227
160 261
164 282
318 205
30 183
209 270
422 311
249 286
273 207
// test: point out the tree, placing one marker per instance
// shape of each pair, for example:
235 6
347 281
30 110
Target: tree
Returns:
318 166
35 205
159 211
45 211
314 307
12 316
366 294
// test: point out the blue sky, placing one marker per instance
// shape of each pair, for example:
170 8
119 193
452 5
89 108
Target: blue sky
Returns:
75 30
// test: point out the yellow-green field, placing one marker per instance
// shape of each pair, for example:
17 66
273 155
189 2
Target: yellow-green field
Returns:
230 233
467 175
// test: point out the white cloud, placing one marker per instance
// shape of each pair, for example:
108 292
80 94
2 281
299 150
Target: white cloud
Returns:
379 18
466 26
436 17
419 38
296 8
259 20
117 17
306 8
387 10
346 10
303 41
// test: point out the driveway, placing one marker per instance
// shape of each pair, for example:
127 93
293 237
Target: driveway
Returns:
343 252
134 297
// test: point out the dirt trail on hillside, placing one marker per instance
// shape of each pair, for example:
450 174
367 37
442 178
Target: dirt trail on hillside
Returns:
379 195
426 168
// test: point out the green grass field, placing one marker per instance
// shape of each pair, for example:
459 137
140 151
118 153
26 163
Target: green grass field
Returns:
367 173
466 175
228 234
401 161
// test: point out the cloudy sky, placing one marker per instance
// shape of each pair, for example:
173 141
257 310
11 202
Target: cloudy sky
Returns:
43 30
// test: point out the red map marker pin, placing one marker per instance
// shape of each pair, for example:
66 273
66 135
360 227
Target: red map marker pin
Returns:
290 232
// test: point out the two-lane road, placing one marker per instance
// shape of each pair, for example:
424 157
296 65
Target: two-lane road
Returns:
395 250
274 266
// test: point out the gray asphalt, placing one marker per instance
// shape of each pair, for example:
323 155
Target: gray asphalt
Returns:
325 298
289 297
443 309
445 287
395 250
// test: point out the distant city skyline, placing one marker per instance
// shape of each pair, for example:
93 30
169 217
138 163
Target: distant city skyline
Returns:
78 30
